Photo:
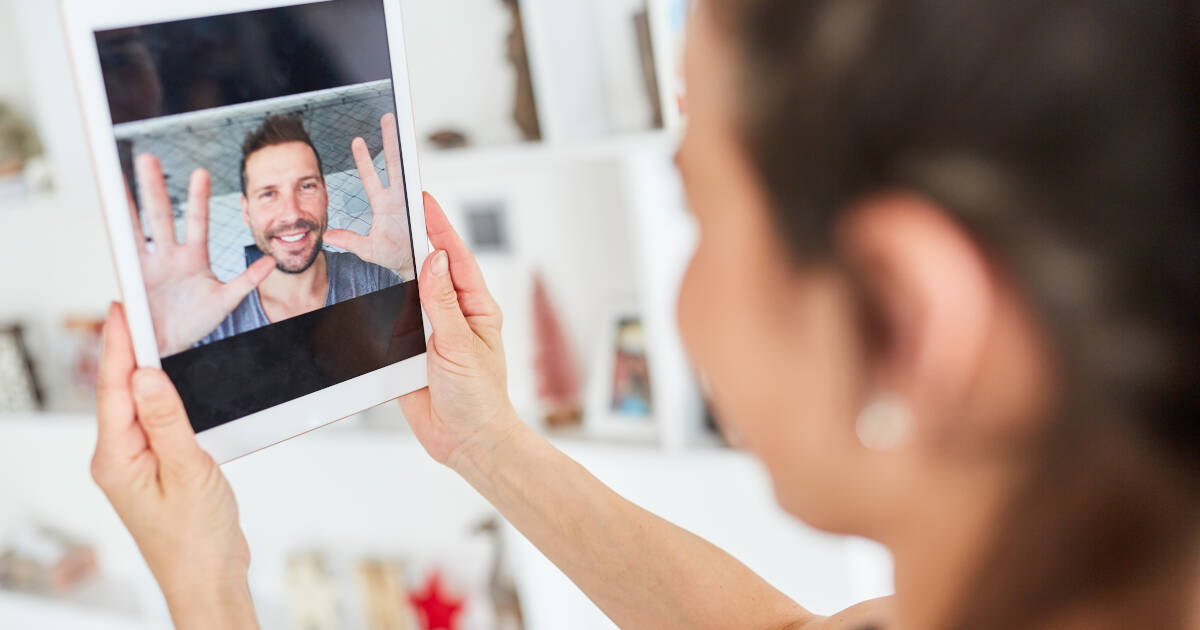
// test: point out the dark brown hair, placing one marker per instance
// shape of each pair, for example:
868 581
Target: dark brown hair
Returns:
1063 135
276 130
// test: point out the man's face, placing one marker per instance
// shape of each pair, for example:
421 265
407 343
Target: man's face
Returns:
286 204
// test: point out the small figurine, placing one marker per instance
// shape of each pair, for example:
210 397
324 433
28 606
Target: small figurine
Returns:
313 593
435 609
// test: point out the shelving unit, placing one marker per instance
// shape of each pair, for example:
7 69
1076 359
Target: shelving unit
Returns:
591 160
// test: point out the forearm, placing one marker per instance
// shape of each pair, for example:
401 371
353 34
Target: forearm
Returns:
225 605
642 571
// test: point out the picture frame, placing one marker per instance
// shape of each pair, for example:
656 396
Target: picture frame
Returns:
668 24
620 399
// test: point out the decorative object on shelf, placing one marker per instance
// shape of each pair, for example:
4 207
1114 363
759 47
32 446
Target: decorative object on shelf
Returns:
21 169
19 390
446 139
621 400
668 23
525 112
313 592
81 338
436 610
645 39
487 226
501 586
557 374
386 600
44 561
631 376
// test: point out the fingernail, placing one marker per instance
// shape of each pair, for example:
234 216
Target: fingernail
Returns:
146 385
441 264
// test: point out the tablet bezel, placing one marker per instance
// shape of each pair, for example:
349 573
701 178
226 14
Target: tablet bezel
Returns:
240 437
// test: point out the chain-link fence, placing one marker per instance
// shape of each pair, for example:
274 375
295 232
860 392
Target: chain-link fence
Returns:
212 139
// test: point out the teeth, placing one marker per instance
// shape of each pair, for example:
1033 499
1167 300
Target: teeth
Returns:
293 239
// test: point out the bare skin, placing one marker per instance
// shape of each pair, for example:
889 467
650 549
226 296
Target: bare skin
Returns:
187 301
170 493
387 243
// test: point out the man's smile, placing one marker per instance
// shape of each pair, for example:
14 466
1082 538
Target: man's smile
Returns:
293 239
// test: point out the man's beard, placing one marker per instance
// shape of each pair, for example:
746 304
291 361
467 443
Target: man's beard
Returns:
317 233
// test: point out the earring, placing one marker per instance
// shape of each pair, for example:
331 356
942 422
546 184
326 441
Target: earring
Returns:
885 423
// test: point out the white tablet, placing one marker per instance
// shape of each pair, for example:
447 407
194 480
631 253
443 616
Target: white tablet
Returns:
258 169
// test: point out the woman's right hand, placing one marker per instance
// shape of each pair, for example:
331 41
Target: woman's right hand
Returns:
170 494
466 404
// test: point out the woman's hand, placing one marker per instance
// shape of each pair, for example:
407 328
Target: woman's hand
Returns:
466 405
170 493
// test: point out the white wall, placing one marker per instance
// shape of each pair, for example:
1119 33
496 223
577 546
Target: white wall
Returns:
12 60
54 257
457 65
52 248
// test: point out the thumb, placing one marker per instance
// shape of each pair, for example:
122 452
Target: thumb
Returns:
237 289
168 431
452 335
352 242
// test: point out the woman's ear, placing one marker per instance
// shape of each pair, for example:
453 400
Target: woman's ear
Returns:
932 298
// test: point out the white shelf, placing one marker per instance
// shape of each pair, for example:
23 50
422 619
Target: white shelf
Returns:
20 612
547 152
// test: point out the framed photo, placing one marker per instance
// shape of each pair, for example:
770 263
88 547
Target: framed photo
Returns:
668 25
620 396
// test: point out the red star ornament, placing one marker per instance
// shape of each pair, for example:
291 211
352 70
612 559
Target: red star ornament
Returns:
435 609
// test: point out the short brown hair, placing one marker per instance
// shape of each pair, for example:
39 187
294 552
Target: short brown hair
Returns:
276 130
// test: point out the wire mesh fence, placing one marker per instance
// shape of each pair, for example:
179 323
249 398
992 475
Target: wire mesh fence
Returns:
212 139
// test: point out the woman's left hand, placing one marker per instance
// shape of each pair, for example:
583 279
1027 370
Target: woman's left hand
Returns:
170 494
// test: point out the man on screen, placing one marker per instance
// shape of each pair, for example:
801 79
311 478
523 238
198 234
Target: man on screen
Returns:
286 205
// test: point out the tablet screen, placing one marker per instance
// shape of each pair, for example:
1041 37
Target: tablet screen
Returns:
269 204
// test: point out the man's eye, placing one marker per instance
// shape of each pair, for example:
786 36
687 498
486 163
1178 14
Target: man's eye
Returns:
267 195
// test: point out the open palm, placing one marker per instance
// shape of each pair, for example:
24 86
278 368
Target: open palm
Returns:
389 242
187 301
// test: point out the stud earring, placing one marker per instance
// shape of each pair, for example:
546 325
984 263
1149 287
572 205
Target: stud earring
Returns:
885 423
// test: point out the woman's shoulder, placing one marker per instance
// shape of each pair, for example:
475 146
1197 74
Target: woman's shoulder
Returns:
875 614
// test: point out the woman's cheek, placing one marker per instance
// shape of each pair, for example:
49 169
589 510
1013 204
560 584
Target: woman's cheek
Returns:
704 320
689 310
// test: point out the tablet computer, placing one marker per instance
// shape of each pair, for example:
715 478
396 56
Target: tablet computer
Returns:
258 171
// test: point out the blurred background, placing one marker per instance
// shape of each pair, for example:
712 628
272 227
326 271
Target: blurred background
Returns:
546 128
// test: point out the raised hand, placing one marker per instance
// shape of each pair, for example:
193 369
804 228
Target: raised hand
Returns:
187 301
169 493
389 242
466 404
